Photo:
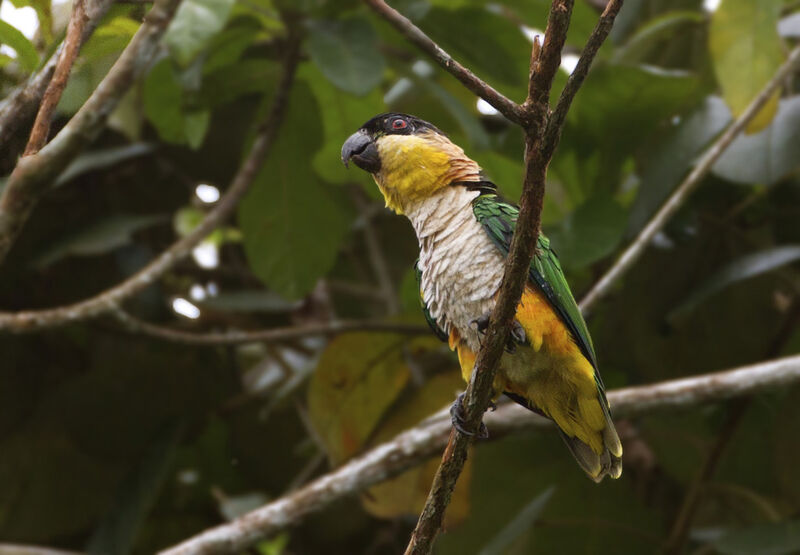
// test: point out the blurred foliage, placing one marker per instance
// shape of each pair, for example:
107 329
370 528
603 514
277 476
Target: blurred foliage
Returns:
113 442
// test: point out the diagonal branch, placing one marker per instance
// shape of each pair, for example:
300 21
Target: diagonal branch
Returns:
110 299
20 106
510 109
416 445
273 335
682 192
66 59
34 174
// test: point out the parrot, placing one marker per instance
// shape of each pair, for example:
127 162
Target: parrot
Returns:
464 231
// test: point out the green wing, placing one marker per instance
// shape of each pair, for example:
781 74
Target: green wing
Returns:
499 219
440 333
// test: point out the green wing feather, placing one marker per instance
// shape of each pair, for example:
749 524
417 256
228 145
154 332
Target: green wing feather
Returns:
499 219
440 333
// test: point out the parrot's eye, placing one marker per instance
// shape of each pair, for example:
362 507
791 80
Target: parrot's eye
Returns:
399 124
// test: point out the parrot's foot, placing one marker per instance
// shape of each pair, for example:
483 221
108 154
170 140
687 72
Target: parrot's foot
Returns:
517 336
457 417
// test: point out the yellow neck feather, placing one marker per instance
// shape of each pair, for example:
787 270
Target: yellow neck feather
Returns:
414 167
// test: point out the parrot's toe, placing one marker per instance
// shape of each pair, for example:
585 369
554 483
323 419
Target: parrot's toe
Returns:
457 417
517 336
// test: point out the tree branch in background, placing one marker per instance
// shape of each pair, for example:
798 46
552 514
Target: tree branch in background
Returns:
66 59
110 299
417 444
636 249
20 106
273 335
510 109
34 174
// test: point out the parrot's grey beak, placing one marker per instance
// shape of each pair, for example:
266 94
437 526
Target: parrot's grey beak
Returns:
360 148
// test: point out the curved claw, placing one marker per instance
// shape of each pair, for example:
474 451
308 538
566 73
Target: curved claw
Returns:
457 418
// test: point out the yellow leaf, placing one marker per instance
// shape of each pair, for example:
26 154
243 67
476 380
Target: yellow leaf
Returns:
746 51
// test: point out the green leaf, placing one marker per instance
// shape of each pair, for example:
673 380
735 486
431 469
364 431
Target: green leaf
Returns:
98 238
590 233
523 521
195 127
26 53
777 538
671 157
163 97
487 43
347 53
741 269
232 81
102 159
291 222
746 51
653 33
768 156
194 25
116 533
626 103
343 115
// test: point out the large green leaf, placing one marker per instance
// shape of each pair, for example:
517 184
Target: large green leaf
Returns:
769 155
746 51
347 54
616 111
671 157
343 114
194 25
163 99
291 221
589 233
26 53
487 43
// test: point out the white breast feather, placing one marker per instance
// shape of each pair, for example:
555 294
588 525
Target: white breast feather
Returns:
461 267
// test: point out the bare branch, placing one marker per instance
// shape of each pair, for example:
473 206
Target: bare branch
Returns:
34 174
418 444
110 299
510 109
274 335
20 106
635 250
66 58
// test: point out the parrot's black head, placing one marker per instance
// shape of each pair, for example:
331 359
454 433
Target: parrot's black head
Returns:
362 146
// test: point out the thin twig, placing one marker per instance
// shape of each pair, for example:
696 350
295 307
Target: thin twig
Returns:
66 59
510 109
417 444
637 248
110 299
135 325
34 174
20 106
